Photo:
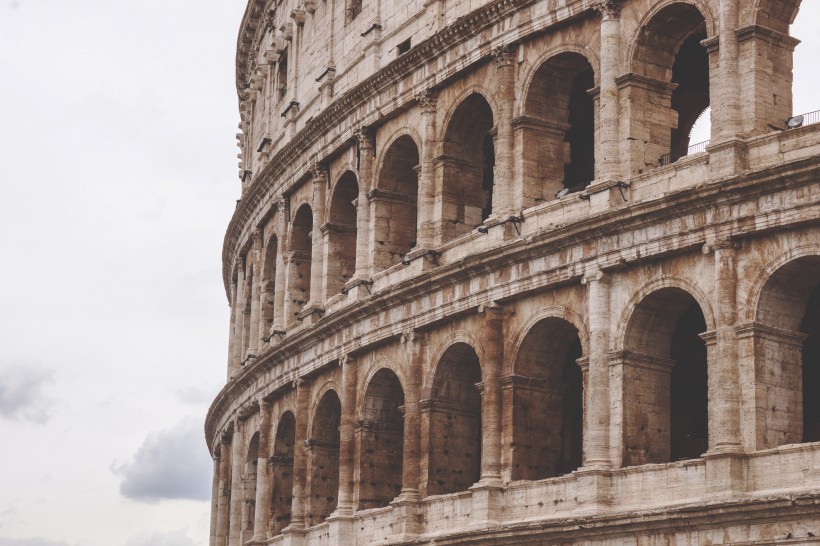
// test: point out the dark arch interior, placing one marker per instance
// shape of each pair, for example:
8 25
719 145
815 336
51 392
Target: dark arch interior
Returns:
249 483
691 98
381 436
282 473
342 233
559 130
324 458
665 378
810 325
468 161
455 422
269 283
547 402
396 204
300 245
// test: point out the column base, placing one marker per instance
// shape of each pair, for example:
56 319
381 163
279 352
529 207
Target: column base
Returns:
341 528
293 535
427 256
595 485
407 517
311 313
727 158
605 194
488 502
726 473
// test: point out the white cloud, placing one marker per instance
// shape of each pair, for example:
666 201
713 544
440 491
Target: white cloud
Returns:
171 464
174 538
30 542
22 396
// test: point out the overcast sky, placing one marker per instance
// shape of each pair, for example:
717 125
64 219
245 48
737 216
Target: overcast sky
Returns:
118 171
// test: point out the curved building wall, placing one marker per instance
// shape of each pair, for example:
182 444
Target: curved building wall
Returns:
485 290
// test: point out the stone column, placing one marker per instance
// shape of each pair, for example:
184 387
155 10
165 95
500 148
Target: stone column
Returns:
506 198
345 505
726 114
237 487
233 365
487 493
223 516
427 184
492 338
215 495
263 474
317 291
609 162
340 522
724 387
239 315
363 137
283 211
255 290
297 517
596 391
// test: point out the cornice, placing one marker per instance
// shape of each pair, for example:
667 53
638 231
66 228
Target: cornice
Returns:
315 129
608 223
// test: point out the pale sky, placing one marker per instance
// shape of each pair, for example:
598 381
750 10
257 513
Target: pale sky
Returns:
118 171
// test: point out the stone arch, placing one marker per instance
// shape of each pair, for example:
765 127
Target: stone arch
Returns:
249 486
546 391
380 440
323 457
395 201
774 14
653 286
453 417
557 126
558 312
367 372
786 336
303 227
281 467
665 379
458 336
668 68
247 305
465 167
341 228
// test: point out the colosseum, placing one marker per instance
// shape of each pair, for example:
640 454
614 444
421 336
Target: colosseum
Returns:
485 290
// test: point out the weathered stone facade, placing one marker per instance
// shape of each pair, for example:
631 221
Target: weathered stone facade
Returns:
484 290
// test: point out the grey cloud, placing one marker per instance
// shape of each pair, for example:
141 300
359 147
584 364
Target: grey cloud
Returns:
22 396
30 542
174 538
195 396
171 464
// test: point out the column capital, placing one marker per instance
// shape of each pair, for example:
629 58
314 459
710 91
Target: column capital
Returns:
427 100
493 310
282 204
608 9
596 275
720 244
256 237
318 172
502 55
363 135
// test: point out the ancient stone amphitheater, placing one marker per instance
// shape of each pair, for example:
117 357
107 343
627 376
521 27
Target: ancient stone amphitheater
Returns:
485 290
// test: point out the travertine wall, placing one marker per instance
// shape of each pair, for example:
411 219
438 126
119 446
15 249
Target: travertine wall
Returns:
431 342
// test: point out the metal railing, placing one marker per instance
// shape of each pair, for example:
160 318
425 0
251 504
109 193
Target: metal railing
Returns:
809 118
667 159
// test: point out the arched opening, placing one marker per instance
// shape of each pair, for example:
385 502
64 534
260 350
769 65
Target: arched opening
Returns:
558 128
282 474
670 72
787 349
547 394
249 487
691 97
268 297
466 168
454 457
341 252
323 447
395 203
299 264
665 380
381 439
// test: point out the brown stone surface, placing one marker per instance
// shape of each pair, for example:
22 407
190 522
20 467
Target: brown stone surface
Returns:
430 346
